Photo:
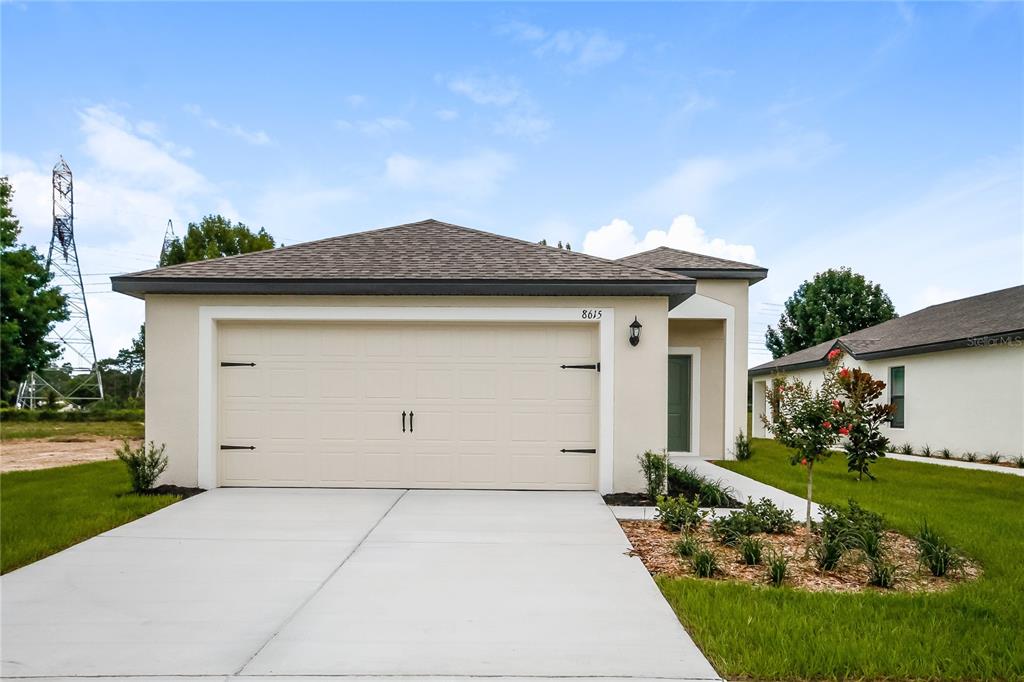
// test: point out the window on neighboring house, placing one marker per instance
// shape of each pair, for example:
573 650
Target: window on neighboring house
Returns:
896 396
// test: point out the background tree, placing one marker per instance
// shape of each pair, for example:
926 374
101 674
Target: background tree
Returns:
29 305
122 374
834 303
213 237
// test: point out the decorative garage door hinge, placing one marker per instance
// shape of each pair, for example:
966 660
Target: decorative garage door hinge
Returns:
595 366
586 450
237 447
238 364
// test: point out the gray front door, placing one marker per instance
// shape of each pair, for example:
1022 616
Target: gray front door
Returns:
680 373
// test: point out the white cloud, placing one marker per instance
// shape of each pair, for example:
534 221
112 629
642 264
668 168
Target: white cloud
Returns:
695 181
584 48
619 238
696 103
522 118
470 176
446 114
523 124
355 101
377 127
492 89
253 137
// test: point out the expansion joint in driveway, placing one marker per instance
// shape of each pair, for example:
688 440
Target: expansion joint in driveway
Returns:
319 587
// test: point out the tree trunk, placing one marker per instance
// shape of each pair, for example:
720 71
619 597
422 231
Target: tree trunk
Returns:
810 489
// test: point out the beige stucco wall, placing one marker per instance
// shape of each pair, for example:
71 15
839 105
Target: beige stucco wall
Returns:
967 400
709 337
172 372
734 292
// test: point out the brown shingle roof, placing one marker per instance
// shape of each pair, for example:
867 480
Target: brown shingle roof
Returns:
939 327
427 251
695 264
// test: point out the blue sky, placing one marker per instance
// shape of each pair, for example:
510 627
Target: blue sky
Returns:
888 137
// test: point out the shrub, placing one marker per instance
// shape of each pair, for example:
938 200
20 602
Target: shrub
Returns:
730 530
969 456
654 467
994 458
907 449
849 523
678 513
751 551
686 481
881 572
828 550
145 464
741 447
938 555
926 451
705 563
93 414
1019 461
686 546
861 414
778 565
772 519
869 542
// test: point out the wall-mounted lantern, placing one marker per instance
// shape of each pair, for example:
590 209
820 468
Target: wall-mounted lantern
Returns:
634 331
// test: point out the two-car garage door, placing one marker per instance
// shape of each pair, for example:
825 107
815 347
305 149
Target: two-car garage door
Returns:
407 405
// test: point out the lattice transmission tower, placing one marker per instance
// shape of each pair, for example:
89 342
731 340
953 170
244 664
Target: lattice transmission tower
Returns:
168 241
75 376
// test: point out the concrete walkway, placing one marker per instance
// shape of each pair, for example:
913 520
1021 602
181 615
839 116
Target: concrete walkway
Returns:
957 463
746 489
350 584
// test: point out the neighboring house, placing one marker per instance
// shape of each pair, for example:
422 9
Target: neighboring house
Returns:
430 355
955 372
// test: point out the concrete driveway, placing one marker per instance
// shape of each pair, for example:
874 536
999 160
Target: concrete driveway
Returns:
274 582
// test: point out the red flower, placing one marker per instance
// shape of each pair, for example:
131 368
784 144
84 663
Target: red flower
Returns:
833 354
835 405
803 461
844 373
844 430
827 425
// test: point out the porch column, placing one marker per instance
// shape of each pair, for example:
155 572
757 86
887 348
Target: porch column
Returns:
758 408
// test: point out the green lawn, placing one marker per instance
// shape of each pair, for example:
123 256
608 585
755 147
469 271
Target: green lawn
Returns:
42 512
54 430
974 632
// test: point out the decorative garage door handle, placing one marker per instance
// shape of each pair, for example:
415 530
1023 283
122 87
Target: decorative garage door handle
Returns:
403 421
587 450
595 366
238 364
410 421
237 447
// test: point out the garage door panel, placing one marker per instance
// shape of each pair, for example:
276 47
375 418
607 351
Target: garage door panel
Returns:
339 424
478 384
338 382
323 405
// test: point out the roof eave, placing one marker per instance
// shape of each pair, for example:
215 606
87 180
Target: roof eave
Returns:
676 291
753 276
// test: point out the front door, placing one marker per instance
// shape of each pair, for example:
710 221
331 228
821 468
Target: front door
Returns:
680 373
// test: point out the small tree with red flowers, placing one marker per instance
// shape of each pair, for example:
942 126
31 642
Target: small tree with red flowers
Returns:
862 416
807 420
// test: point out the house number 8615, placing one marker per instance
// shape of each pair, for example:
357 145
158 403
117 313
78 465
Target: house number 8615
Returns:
592 314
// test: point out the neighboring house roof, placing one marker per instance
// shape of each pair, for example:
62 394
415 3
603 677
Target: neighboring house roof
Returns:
427 257
696 265
956 324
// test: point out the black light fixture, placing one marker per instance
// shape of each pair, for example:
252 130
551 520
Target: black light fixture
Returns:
634 331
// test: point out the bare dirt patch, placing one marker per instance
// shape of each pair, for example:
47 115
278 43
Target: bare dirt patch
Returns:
653 544
32 454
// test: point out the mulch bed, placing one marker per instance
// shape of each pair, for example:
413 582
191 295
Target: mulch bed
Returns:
174 490
653 544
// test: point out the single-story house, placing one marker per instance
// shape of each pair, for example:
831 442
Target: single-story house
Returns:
429 355
955 372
